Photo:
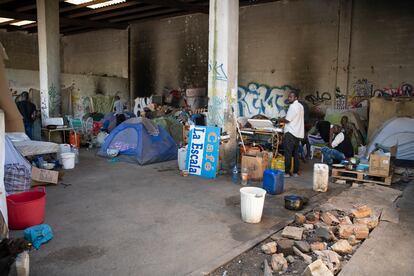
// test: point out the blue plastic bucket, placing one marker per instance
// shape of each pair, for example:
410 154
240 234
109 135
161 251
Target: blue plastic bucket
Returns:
273 181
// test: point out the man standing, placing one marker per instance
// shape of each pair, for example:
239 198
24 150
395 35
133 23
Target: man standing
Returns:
28 111
294 132
341 146
119 110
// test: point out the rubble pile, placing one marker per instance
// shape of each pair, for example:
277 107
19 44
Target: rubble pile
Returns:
324 240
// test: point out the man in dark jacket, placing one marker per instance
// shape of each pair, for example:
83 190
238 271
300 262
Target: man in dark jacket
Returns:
28 111
341 147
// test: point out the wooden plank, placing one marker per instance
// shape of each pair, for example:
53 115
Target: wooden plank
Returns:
365 180
359 177
357 172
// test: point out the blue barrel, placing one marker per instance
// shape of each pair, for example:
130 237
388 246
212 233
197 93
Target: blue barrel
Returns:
273 181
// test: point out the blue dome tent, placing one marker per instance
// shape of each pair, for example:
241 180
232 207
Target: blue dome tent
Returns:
139 140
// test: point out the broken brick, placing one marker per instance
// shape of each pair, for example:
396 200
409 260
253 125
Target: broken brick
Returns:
318 246
303 246
300 218
331 259
371 221
308 226
285 246
279 263
269 248
353 240
345 220
317 268
324 233
360 231
292 232
361 211
329 218
342 247
306 258
312 217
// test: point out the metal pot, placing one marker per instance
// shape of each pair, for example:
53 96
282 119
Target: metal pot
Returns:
295 202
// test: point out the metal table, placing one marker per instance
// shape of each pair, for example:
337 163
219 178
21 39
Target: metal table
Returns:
62 129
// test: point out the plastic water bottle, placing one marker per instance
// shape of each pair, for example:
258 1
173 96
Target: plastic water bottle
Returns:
235 176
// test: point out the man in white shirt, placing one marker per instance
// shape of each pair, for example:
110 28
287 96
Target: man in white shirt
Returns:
294 132
341 146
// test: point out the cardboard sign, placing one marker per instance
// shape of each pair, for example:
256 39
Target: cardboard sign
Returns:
203 151
45 176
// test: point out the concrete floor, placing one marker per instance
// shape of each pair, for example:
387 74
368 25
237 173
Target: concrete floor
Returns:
390 247
122 219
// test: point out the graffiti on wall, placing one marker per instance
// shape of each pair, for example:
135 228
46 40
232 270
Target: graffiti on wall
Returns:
257 99
81 105
216 108
403 90
218 71
141 103
340 99
319 98
54 101
363 90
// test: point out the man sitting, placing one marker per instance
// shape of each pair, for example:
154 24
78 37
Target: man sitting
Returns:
341 146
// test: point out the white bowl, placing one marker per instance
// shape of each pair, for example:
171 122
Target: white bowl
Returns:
48 166
112 152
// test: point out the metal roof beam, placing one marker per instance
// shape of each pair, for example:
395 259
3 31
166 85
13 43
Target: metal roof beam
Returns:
63 20
178 5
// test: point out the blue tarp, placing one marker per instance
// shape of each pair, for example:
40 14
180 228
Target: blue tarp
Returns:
133 140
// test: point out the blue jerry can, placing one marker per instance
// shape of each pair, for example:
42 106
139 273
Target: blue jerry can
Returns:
273 181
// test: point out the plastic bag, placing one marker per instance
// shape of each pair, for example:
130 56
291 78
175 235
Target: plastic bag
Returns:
38 234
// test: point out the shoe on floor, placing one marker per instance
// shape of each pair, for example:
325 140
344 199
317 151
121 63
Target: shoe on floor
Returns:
295 175
287 175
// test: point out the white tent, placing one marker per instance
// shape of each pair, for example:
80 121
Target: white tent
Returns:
397 131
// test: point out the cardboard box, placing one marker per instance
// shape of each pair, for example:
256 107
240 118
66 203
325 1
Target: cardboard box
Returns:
256 164
41 176
379 164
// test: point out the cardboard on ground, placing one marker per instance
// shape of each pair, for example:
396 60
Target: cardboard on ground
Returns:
41 176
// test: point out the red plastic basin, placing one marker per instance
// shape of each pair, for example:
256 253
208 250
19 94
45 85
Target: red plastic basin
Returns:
26 209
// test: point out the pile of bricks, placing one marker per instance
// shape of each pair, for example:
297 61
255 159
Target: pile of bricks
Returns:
324 240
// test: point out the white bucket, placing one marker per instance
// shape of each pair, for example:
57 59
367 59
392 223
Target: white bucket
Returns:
68 160
320 177
252 201
63 148
182 158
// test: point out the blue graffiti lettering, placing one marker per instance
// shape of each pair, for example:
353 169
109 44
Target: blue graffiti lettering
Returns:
262 99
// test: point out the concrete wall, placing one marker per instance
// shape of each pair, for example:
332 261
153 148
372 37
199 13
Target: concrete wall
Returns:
86 85
169 53
382 45
22 50
298 44
103 52
94 62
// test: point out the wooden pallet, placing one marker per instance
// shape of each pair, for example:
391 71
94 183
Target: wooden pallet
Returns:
360 176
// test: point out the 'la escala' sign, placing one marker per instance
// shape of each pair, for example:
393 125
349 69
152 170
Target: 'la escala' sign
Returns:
203 151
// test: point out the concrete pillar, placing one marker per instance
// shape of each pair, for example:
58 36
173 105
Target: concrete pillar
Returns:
49 57
344 45
3 204
222 73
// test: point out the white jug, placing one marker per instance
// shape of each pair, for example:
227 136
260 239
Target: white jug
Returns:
320 177
182 158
